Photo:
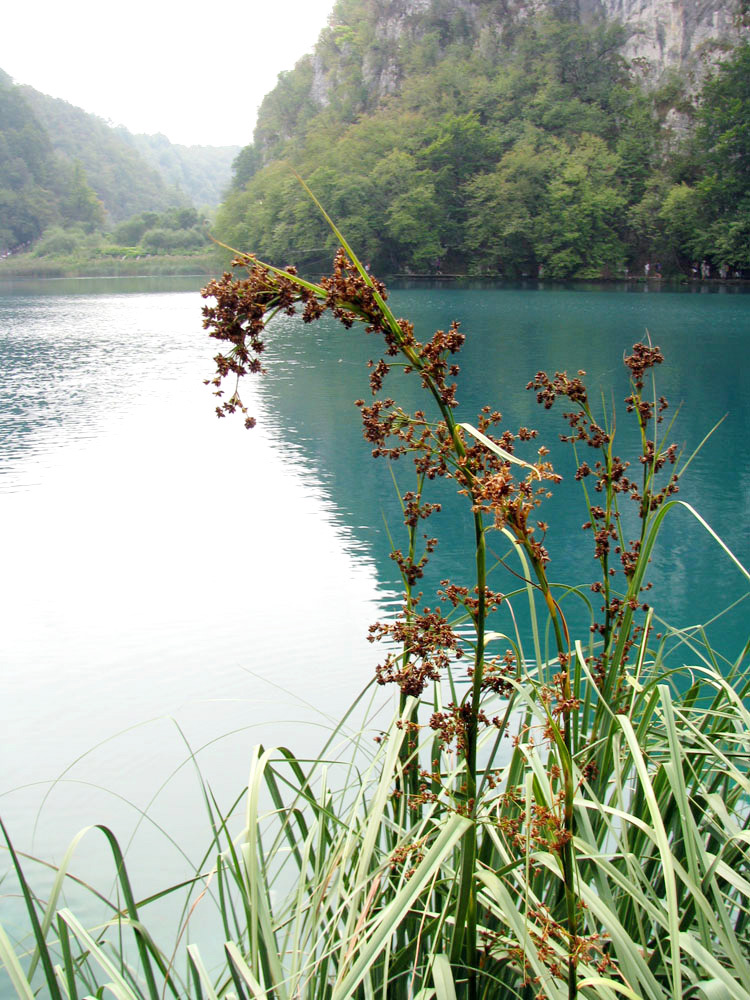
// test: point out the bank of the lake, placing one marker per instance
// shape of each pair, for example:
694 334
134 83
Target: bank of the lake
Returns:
27 265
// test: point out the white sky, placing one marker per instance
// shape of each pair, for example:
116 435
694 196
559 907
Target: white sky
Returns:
195 71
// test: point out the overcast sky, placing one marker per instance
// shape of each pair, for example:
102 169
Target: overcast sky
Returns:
195 71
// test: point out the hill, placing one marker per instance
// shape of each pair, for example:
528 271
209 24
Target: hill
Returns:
37 188
122 179
68 174
574 138
203 173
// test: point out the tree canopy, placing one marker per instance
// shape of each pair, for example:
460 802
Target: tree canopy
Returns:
495 154
67 179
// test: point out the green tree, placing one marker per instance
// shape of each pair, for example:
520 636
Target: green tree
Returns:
57 240
684 222
504 204
461 148
80 203
161 240
28 201
578 233
724 132
129 232
246 164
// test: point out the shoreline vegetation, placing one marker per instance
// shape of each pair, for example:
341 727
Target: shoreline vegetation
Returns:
27 265
501 146
629 279
151 243
549 816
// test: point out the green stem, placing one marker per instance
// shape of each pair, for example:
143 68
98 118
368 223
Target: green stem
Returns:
465 928
566 853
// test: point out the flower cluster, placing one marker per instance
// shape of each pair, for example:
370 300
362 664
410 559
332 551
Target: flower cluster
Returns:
244 306
428 644
511 501
610 477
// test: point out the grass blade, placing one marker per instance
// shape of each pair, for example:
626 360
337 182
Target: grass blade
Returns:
12 966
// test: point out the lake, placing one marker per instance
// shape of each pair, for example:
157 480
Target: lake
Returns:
177 588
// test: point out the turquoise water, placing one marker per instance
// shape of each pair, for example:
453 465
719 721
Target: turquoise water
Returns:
511 334
170 578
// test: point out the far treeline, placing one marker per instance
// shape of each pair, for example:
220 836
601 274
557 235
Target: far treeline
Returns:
77 195
541 154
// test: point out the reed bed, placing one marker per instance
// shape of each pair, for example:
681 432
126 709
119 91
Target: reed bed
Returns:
549 815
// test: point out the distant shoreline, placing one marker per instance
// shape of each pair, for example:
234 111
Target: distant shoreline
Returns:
678 279
27 266
208 266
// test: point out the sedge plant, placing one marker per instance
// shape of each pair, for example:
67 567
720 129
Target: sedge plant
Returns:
584 694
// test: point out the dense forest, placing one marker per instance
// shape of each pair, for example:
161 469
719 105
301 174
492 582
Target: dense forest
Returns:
73 187
37 189
203 173
537 150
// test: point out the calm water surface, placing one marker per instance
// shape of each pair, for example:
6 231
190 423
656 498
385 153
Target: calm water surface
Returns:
170 578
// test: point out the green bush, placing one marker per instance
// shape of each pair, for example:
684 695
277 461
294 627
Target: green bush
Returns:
59 241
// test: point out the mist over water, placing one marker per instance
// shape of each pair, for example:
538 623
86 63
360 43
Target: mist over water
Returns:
171 578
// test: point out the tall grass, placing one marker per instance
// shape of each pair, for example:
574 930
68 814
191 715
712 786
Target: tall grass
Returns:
549 815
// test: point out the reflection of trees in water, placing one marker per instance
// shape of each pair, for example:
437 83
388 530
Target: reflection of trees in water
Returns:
316 374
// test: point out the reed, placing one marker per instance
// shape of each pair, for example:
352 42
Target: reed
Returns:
549 815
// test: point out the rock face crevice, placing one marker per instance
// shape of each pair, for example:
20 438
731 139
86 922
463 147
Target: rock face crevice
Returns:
670 34
662 36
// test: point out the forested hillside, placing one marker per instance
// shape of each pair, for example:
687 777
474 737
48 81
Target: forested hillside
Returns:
83 194
61 168
203 173
456 139
37 189
123 181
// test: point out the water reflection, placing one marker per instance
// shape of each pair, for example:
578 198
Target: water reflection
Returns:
31 288
511 333
169 578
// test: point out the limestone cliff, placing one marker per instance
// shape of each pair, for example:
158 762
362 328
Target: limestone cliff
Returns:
671 34
661 35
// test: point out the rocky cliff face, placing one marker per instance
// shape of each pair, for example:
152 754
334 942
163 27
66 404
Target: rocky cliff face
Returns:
661 35
670 34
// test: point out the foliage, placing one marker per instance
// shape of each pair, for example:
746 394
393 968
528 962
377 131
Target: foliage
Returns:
58 240
700 208
175 241
61 168
531 146
45 183
107 261
34 191
724 131
724 127
176 229
202 173
122 180
600 852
